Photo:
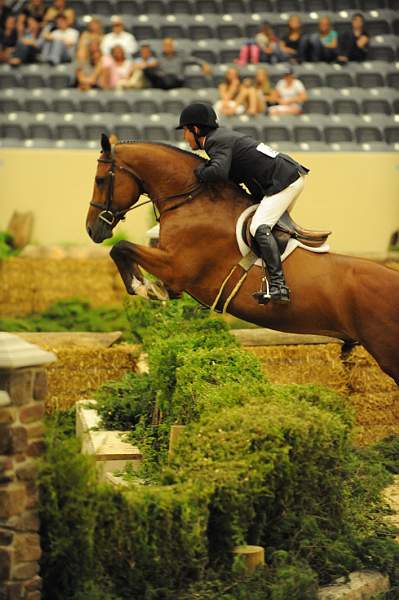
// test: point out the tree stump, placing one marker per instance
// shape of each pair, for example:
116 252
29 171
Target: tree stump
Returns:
253 557
20 228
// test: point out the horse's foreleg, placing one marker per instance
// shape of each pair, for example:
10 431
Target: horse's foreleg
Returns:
128 257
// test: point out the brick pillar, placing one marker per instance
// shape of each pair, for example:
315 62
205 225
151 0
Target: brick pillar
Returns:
23 386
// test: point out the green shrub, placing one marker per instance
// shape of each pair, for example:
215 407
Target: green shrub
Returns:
7 248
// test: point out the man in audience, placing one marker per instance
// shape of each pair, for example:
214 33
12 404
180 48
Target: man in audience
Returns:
136 78
8 38
60 44
29 44
119 37
353 45
169 73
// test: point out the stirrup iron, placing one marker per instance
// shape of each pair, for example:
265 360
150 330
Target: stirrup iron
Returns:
263 296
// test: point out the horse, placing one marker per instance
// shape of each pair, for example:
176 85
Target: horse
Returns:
352 299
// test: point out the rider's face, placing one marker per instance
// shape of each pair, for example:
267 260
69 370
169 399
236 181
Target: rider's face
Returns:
189 138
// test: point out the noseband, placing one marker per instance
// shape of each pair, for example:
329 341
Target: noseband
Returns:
109 214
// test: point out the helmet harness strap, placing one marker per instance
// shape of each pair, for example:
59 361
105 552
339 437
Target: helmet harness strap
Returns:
196 136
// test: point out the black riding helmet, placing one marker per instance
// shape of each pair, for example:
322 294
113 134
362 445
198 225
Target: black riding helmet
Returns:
200 114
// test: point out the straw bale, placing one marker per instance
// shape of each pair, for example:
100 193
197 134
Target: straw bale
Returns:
79 371
364 374
31 284
377 415
319 364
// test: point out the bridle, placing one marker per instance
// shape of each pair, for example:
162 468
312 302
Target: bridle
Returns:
110 215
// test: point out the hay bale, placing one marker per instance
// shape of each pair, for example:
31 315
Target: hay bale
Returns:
319 364
364 375
30 285
79 372
377 415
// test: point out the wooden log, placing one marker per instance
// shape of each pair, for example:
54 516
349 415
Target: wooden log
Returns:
268 337
175 432
71 338
253 557
20 228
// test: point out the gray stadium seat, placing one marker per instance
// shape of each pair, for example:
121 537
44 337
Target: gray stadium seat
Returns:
226 31
127 7
174 30
34 80
392 134
346 106
117 106
143 31
127 131
35 105
91 105
277 133
63 105
198 81
101 7
9 79
368 134
316 6
172 105
338 133
338 5
153 7
314 106
200 31
10 105
206 7
81 7
376 106
372 4
392 79
310 80
228 55
307 133
369 80
239 7
58 81
41 131
339 80
288 6
156 133
146 106
180 7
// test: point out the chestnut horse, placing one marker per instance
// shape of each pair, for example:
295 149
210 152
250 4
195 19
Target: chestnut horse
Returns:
353 299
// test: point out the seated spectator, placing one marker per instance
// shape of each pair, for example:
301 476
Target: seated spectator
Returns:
324 44
169 73
265 48
57 8
29 44
119 37
136 78
229 90
36 9
116 67
353 45
59 45
8 38
266 95
92 73
5 11
293 45
290 95
92 33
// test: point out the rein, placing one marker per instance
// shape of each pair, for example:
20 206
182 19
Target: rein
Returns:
109 214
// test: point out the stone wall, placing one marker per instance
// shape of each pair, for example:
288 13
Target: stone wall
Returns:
22 394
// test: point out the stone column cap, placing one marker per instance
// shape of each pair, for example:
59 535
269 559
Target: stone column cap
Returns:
16 353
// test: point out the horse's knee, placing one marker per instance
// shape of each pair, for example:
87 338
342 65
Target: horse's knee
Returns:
119 248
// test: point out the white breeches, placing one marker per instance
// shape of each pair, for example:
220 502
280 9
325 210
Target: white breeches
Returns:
271 208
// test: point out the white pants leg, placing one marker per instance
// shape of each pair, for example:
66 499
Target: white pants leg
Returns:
271 208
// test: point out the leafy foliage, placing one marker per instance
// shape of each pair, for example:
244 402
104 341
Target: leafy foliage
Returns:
7 248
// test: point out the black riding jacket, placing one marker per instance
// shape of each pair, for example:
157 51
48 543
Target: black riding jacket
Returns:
242 159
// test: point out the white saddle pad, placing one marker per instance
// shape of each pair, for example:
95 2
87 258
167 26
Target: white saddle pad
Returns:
291 245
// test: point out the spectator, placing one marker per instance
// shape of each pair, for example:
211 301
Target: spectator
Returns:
116 67
93 33
5 11
29 44
136 78
294 44
353 45
169 73
59 45
324 44
265 48
57 8
119 37
266 95
8 38
36 9
92 73
290 95
229 90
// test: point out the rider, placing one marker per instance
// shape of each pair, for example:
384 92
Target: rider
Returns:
274 179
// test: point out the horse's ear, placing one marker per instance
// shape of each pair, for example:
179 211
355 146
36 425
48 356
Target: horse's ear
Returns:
105 143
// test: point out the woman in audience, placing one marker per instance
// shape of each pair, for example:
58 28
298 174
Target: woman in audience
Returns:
293 45
57 8
290 95
116 67
29 44
324 44
92 73
228 90
92 33
353 45
59 45
8 38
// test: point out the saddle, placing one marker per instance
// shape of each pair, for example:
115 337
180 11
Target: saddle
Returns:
284 229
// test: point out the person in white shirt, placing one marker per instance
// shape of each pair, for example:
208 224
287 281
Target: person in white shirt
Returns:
59 45
119 37
290 94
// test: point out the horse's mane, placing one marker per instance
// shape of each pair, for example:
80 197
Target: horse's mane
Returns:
215 188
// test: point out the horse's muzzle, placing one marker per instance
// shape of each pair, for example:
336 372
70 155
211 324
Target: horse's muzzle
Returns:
99 231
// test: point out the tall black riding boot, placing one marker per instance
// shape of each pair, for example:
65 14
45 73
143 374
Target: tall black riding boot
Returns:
279 292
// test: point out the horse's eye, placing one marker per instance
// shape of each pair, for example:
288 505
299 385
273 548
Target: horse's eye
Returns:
100 180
